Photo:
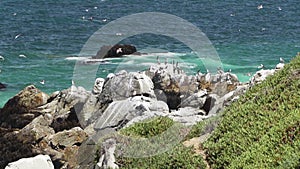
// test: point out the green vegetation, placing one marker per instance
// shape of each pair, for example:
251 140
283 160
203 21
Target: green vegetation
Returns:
262 129
178 157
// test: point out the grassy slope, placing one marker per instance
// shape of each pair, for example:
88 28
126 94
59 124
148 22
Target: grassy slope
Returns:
262 129
178 157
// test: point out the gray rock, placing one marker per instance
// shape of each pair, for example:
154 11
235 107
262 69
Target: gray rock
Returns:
187 115
196 100
121 112
68 138
107 158
19 110
37 162
279 66
125 85
261 75
99 82
37 129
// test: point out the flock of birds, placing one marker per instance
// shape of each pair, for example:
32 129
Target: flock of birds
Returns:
259 7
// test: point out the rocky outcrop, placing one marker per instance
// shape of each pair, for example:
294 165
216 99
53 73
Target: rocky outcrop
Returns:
2 86
37 162
19 110
115 51
118 101
261 75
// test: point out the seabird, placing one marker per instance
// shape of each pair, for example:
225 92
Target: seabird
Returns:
166 61
248 74
119 50
260 7
261 66
22 56
86 10
279 8
95 7
42 82
1 58
220 71
104 20
281 60
157 59
18 35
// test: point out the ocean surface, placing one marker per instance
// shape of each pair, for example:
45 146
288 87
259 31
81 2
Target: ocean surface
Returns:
40 40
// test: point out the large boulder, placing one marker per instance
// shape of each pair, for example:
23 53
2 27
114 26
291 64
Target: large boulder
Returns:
64 106
37 162
19 110
119 113
36 130
124 85
115 51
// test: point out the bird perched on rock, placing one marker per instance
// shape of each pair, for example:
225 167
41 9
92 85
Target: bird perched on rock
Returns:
281 60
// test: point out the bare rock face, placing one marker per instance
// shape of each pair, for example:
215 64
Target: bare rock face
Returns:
37 162
64 106
18 111
125 85
36 130
68 138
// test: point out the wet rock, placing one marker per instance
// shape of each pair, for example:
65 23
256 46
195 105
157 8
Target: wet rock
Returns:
18 111
115 51
2 86
37 162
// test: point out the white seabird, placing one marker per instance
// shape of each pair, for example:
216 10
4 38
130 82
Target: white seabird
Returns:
281 60
260 7
261 66
1 58
22 56
119 50
18 35
42 82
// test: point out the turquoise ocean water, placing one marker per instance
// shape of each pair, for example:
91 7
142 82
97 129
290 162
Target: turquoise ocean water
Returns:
49 32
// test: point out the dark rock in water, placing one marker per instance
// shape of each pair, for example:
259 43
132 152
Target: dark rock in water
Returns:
17 112
114 51
2 86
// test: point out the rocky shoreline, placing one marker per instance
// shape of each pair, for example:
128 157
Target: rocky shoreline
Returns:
63 124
